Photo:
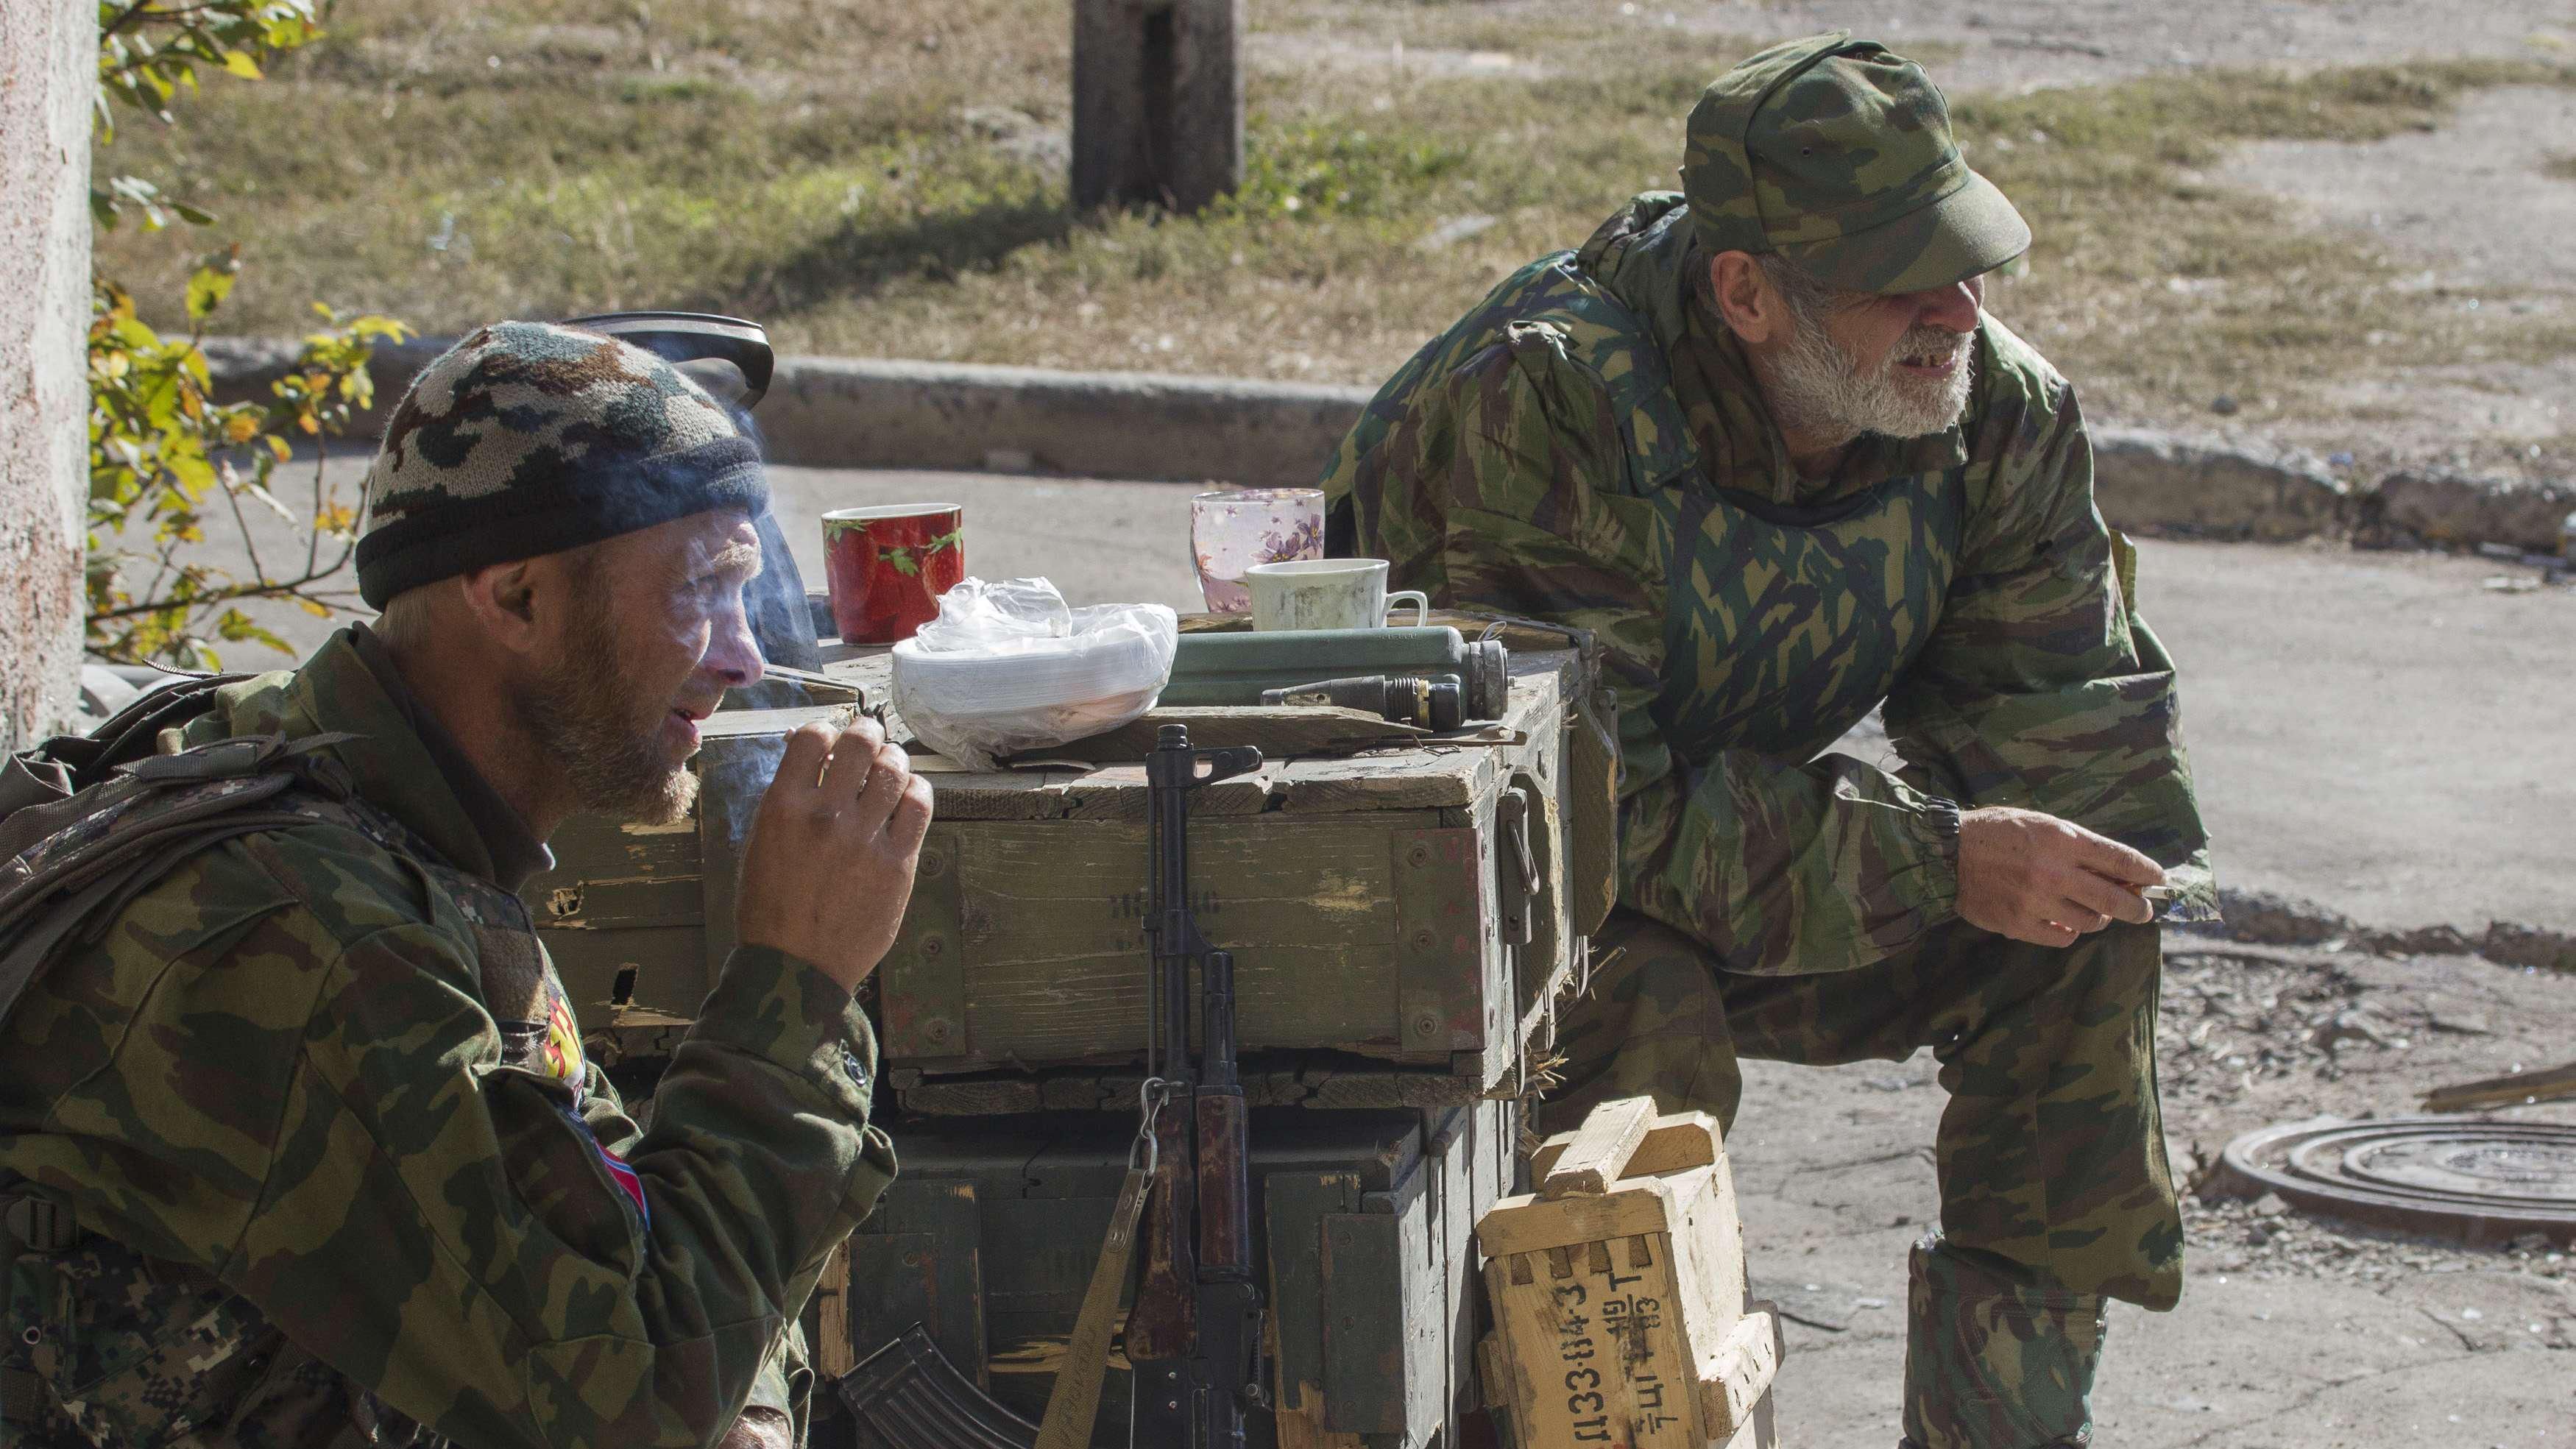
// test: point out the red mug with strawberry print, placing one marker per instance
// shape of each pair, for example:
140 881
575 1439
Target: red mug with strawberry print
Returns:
887 566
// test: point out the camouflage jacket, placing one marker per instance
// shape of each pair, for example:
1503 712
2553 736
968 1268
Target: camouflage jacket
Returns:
1589 446
322 1111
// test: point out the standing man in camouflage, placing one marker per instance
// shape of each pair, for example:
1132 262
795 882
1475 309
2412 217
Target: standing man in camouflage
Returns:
1762 440
297 1142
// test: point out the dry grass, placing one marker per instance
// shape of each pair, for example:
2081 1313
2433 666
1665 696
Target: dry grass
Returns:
881 185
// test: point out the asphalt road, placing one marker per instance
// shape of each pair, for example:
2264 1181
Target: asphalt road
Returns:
2377 732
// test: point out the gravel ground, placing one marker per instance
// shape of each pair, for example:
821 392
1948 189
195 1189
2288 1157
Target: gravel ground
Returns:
2295 1331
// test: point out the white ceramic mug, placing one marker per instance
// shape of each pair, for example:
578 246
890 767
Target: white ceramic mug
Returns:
1327 593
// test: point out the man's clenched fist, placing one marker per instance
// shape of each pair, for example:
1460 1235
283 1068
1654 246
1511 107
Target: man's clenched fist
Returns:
829 864
2040 879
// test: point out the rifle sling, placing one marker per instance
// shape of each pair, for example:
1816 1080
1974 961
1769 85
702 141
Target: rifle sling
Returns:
1075 1401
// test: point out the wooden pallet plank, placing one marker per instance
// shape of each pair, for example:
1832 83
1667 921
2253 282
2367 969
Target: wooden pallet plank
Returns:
1596 1153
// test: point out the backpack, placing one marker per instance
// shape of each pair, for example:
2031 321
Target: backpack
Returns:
87 822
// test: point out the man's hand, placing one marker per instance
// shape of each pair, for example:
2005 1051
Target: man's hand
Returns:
829 864
2046 881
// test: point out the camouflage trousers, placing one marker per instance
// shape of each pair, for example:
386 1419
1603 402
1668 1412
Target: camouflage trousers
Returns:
2051 1150
2055 1193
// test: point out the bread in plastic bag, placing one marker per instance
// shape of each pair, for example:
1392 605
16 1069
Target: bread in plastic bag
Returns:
1009 667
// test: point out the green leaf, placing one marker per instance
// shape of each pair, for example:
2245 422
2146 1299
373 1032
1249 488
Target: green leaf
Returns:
207 288
192 473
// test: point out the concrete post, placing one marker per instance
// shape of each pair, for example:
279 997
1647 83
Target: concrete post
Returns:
1157 101
48 70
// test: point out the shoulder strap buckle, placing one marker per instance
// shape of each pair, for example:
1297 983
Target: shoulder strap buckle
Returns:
40 1223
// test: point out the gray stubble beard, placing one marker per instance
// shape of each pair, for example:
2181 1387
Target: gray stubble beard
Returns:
575 712
1816 387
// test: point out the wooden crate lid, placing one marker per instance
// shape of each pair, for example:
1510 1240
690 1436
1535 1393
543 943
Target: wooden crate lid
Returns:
1315 768
1623 1173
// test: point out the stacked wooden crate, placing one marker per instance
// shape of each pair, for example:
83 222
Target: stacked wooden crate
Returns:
1406 914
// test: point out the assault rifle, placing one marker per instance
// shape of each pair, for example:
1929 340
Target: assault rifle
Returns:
1194 1334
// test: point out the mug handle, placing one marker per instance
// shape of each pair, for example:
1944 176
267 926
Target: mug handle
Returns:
1421 607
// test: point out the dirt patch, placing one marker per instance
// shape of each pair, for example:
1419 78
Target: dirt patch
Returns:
2018 44
2477 204
1299 53
2474 197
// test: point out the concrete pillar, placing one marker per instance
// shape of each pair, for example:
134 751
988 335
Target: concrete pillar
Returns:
1157 101
48 71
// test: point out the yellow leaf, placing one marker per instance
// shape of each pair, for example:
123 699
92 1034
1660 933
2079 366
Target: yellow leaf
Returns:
308 422
240 64
316 609
241 428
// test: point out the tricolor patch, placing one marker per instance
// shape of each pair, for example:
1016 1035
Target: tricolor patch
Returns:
627 1179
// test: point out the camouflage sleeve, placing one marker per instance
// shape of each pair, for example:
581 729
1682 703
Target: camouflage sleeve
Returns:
2040 686
1506 489
445 1230
782 1392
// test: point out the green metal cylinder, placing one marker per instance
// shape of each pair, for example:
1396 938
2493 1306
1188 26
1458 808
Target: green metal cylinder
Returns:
1235 668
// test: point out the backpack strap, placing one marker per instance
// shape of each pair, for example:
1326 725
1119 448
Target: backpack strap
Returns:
129 733
59 767
78 859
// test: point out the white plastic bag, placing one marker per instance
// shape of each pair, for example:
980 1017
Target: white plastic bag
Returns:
1008 667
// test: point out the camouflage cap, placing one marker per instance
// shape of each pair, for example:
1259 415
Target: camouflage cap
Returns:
1836 153
528 438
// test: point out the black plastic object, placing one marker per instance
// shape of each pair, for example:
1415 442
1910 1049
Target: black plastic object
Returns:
732 360
1194 1333
728 356
907 1395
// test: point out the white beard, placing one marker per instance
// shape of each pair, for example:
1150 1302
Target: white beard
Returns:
1815 387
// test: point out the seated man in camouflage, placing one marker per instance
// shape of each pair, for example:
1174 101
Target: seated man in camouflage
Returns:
298 1145
1761 439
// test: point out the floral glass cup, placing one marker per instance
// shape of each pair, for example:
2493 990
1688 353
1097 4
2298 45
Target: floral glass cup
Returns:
888 565
1236 528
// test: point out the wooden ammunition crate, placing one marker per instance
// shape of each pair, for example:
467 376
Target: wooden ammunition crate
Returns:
1404 911
1363 1222
1618 1293
1415 907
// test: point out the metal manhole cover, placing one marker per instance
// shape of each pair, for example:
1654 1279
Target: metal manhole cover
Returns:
2481 1182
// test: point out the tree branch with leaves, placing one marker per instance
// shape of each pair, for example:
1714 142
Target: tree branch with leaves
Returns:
167 459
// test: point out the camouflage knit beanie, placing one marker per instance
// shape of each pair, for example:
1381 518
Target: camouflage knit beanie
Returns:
528 438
